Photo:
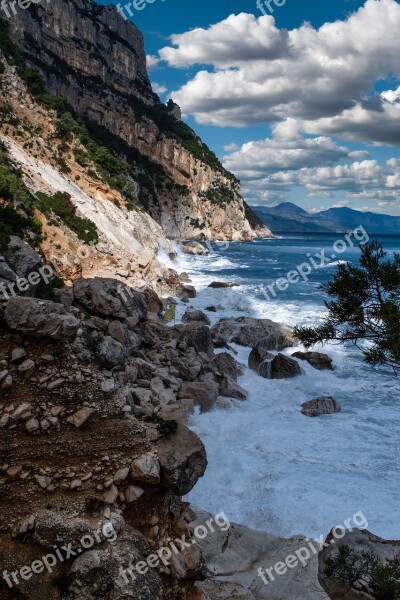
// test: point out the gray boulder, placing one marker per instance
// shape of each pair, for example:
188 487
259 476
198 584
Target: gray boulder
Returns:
40 318
258 356
198 316
231 389
224 365
280 367
247 331
111 353
194 335
110 298
130 340
24 260
204 393
318 360
183 461
324 405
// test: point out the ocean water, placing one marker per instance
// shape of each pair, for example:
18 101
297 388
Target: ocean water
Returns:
270 467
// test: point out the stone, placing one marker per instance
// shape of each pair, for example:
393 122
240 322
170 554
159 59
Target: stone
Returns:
21 411
318 360
109 298
40 318
195 335
75 484
27 365
14 471
222 285
122 334
146 468
43 481
53 385
204 393
247 331
24 260
107 386
121 475
198 316
111 353
32 425
3 375
18 354
280 367
183 460
257 356
81 417
133 493
111 495
224 365
195 248
189 290
323 405
230 389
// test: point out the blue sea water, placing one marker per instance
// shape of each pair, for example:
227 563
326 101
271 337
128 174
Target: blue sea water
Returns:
270 467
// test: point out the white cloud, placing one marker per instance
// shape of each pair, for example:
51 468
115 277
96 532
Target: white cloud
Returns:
152 61
315 80
159 89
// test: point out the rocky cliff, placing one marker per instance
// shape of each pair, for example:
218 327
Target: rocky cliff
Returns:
95 60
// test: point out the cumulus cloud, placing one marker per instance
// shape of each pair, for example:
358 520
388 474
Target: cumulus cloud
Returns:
159 89
314 80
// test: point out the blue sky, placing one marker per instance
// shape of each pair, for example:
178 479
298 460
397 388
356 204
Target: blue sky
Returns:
308 113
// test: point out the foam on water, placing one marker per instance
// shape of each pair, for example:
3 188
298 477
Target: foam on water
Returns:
274 469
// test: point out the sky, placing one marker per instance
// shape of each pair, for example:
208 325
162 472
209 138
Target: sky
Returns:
302 103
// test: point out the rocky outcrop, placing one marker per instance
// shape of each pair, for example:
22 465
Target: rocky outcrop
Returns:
247 331
324 405
318 360
40 318
361 567
94 59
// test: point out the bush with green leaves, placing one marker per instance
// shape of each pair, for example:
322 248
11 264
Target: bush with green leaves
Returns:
365 307
165 427
365 572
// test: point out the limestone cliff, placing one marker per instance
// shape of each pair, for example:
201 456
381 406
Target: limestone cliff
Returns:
92 58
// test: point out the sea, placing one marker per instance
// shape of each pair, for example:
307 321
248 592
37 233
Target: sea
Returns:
269 467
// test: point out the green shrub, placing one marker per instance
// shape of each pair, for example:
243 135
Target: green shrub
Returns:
165 427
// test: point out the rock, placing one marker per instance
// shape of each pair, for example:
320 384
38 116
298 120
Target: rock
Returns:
111 353
195 248
146 468
247 331
222 285
40 318
24 261
7 274
22 411
53 385
121 475
196 335
109 298
133 493
32 425
121 333
3 375
14 471
204 393
257 356
111 495
280 367
224 365
189 290
223 590
183 461
211 309
359 541
152 300
18 354
80 417
318 360
195 316
43 481
230 389
27 365
324 405
189 366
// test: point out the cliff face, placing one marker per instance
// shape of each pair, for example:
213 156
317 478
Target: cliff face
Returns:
95 60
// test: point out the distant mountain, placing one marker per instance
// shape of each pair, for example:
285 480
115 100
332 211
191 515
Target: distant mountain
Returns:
290 218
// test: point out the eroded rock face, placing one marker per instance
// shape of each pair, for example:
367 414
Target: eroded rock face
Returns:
109 298
40 318
247 331
324 405
387 552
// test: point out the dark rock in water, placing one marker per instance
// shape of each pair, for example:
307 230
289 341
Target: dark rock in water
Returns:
222 285
318 360
257 356
189 290
211 309
324 405
195 248
280 367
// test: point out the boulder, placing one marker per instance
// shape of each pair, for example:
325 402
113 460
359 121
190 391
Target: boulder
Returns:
146 468
24 260
204 393
40 318
258 356
230 389
247 331
110 298
195 316
356 541
224 365
194 335
318 360
195 248
189 290
111 353
128 339
183 461
188 366
280 367
217 285
324 405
